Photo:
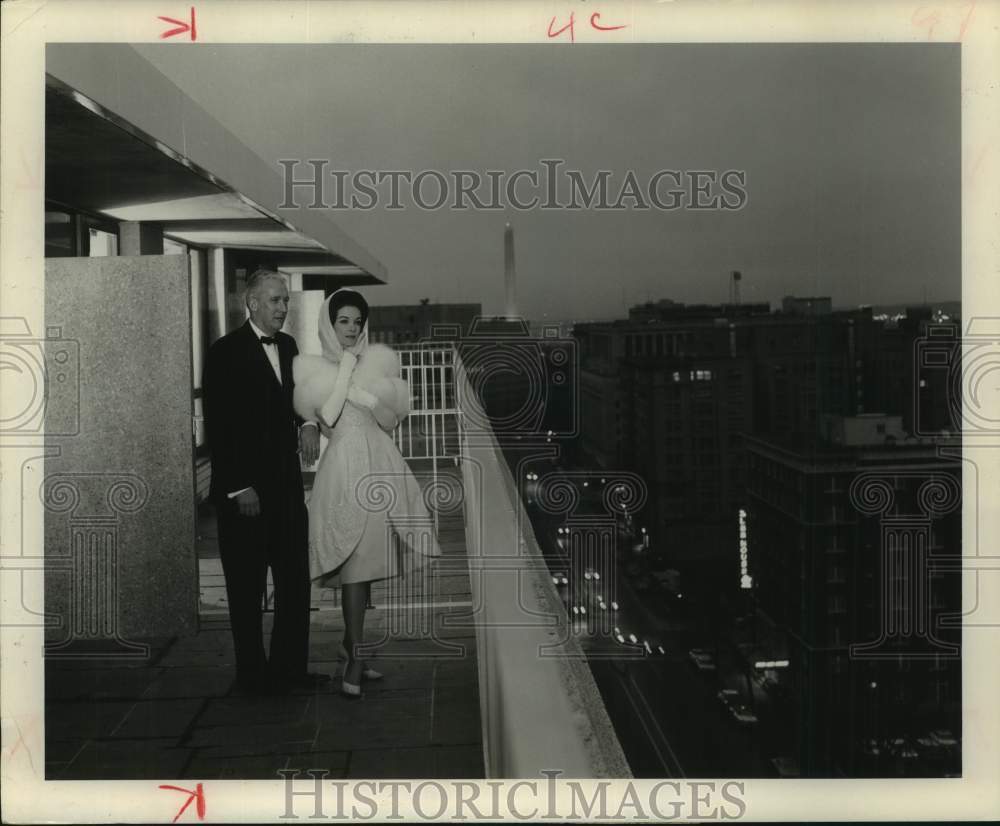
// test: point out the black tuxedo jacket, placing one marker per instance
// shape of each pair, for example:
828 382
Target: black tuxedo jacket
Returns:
251 426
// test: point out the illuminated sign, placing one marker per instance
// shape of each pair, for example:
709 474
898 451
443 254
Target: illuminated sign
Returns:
746 581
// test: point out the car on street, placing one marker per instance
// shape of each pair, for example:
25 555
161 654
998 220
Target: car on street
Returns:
743 714
702 659
901 747
728 696
740 711
944 738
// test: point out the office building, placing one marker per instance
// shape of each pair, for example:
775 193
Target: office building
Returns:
852 545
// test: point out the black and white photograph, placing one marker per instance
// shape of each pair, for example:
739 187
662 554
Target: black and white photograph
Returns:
402 417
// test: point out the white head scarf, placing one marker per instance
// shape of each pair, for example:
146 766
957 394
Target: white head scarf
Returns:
332 350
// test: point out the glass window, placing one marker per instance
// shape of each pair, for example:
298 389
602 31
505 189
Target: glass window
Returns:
60 234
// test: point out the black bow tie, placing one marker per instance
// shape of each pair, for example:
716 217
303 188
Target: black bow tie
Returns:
268 340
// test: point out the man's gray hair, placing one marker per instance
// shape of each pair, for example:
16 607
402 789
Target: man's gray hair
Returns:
258 279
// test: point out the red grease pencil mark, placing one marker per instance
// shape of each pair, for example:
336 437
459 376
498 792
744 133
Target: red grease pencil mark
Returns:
929 20
968 17
597 16
570 26
181 27
932 18
198 795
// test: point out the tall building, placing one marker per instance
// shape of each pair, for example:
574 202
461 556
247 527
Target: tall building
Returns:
809 365
670 393
685 424
849 545
601 348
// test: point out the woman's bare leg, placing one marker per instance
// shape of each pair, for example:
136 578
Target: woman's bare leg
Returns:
354 597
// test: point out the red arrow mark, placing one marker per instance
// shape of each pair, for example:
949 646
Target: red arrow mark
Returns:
198 795
181 27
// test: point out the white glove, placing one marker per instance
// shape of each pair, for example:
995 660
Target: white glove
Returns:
330 411
362 397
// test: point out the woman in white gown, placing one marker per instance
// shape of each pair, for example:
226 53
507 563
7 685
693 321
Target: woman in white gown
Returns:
364 496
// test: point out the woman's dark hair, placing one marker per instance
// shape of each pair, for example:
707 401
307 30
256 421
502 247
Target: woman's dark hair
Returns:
348 298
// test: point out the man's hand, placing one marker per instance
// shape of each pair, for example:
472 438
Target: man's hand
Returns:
248 502
309 444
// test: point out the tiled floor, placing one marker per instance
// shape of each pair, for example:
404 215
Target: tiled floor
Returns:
176 714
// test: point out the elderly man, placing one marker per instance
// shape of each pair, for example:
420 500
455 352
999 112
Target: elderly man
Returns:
255 439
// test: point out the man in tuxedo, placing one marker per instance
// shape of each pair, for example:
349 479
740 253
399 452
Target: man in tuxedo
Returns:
255 439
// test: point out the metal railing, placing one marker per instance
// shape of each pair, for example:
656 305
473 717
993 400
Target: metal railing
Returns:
433 430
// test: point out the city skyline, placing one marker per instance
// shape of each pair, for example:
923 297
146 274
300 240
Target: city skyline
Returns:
851 156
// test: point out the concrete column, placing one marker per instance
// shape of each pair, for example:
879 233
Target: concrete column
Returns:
302 322
140 238
119 494
216 259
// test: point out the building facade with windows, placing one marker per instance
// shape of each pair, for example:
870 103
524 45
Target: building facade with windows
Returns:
853 549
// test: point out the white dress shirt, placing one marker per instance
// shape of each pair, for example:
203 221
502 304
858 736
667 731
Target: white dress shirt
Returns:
270 350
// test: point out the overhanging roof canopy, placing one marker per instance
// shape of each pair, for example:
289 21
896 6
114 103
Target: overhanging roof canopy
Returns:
123 141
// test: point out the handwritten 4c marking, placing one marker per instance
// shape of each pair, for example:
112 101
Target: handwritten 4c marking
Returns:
549 188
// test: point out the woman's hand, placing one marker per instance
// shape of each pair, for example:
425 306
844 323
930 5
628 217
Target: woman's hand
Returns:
361 397
332 407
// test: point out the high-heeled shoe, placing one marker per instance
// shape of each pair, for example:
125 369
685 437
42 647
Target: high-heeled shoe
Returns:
350 690
367 673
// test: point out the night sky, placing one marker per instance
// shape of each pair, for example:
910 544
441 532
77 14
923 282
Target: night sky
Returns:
851 153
